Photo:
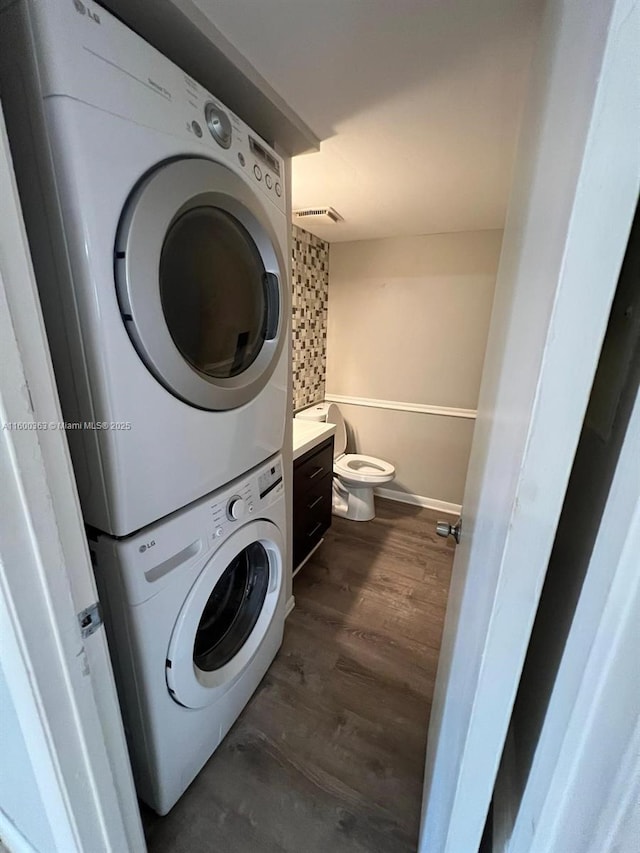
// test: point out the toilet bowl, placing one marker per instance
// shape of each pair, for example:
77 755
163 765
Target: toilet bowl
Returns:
355 475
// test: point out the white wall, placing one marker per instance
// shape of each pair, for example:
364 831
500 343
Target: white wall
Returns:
408 322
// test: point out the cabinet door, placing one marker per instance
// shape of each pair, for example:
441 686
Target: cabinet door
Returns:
311 517
311 469
312 491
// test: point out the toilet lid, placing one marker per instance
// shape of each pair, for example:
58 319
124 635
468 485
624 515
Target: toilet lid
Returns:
357 466
334 416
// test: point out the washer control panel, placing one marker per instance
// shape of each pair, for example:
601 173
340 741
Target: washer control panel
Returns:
150 559
245 498
236 508
270 479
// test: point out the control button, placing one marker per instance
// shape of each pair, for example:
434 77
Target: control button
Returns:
268 181
218 124
241 158
278 189
219 531
250 507
196 129
257 171
236 508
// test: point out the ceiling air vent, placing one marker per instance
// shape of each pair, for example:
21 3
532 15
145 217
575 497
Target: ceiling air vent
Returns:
320 214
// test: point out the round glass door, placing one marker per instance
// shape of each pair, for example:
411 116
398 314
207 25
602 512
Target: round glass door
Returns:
232 609
201 283
235 604
212 292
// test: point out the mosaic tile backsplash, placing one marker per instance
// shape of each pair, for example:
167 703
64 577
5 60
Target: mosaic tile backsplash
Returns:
310 277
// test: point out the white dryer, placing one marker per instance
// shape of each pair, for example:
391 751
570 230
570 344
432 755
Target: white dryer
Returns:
194 609
157 222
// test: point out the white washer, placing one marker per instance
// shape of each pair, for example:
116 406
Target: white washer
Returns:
160 250
194 609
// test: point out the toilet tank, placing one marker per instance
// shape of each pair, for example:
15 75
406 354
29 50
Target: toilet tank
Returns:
314 413
329 413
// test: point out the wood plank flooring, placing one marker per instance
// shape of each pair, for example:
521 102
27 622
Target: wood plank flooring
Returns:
328 755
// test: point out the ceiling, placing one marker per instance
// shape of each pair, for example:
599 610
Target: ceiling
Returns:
417 102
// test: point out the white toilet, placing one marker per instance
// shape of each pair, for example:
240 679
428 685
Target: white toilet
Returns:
356 475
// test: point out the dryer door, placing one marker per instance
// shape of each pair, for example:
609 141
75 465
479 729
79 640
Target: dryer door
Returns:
202 283
229 610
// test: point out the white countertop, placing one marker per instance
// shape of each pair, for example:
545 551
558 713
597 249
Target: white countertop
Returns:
307 434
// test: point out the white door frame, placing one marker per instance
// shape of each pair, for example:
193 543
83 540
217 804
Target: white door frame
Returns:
583 788
570 214
62 687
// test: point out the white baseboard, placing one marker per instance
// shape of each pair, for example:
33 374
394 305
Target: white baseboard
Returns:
291 603
419 500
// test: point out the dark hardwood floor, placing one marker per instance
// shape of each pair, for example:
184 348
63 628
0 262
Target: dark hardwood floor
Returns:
328 755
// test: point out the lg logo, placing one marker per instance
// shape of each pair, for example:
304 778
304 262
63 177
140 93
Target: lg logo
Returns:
84 10
146 546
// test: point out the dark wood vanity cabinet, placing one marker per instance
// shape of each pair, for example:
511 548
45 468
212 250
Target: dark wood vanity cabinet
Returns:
312 487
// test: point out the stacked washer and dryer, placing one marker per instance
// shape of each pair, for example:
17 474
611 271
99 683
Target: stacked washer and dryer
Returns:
158 229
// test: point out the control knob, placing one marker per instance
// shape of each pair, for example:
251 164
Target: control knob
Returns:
218 124
236 508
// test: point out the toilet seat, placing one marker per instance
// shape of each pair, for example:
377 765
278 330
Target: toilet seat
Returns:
355 475
358 468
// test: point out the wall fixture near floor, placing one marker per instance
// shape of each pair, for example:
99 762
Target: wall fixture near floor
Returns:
310 277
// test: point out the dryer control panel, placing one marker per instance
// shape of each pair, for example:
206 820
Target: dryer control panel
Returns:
138 83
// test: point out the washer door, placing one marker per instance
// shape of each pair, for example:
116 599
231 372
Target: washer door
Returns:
226 615
201 283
